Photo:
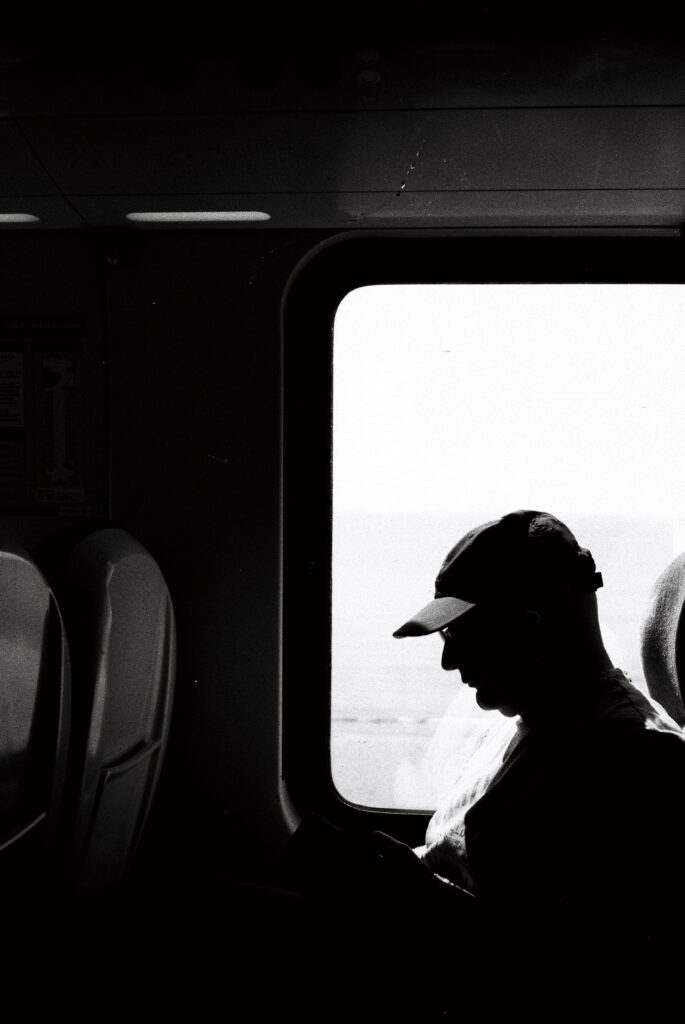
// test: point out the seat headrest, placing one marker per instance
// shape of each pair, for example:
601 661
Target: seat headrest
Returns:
662 640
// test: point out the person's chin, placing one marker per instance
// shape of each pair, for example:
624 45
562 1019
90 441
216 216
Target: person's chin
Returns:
489 701
508 711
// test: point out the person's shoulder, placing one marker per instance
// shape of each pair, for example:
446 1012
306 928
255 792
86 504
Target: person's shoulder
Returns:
622 709
631 736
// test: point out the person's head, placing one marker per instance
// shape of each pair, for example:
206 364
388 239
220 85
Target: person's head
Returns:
516 607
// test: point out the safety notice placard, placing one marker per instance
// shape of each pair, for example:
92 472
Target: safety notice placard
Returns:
46 443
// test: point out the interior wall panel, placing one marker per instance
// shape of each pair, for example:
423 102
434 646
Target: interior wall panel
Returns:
195 357
393 151
486 65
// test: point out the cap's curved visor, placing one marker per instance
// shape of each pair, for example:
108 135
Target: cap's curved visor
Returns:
436 615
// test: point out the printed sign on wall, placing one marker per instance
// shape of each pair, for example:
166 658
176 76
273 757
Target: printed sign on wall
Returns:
47 444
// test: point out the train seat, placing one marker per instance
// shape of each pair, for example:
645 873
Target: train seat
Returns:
662 640
34 729
120 625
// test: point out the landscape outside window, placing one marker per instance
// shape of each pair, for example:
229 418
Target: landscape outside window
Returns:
454 404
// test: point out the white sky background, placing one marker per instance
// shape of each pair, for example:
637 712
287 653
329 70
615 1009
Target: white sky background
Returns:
479 399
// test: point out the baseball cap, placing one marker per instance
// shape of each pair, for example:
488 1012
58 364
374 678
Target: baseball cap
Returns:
515 560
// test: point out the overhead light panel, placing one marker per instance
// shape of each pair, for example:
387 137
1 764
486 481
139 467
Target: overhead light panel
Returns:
18 218
196 216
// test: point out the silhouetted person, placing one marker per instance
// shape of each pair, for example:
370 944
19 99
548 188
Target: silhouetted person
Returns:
557 866
573 835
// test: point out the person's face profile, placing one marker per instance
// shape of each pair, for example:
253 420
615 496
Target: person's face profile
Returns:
494 650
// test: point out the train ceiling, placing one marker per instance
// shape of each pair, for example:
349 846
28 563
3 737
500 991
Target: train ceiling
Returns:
480 128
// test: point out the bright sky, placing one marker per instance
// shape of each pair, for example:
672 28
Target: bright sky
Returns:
476 399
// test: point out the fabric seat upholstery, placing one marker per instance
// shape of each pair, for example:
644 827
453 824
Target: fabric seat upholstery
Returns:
663 640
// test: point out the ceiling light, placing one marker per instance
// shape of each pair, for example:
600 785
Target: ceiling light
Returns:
18 218
196 216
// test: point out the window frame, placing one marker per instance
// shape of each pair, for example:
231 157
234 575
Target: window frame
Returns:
319 284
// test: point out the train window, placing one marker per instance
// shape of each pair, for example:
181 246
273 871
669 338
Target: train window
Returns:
432 381
456 403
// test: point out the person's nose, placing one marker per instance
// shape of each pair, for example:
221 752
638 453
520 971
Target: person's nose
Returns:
450 658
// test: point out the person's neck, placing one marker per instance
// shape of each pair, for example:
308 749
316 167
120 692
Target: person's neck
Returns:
567 686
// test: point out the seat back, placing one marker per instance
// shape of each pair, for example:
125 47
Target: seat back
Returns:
34 728
120 624
662 640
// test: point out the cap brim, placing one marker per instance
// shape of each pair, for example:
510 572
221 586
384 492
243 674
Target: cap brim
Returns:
436 615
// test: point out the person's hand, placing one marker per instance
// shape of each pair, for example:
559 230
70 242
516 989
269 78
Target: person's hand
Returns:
402 866
399 860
